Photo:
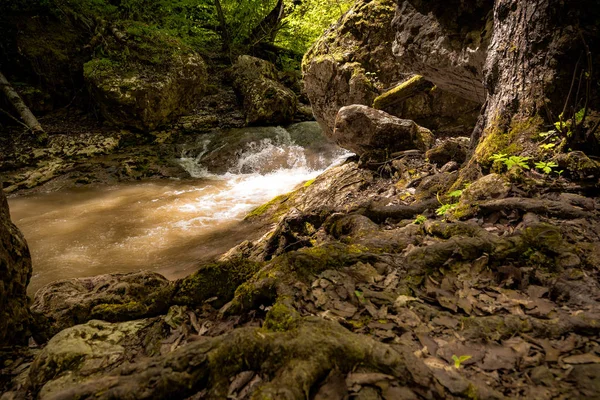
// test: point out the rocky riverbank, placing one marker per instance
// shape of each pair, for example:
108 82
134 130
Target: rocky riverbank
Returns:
433 264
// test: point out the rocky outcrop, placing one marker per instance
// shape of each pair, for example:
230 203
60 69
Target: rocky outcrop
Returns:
266 100
151 85
353 63
364 130
15 272
112 297
445 42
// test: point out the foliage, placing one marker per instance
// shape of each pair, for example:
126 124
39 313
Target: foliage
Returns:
459 360
444 208
420 220
546 166
307 20
512 161
196 22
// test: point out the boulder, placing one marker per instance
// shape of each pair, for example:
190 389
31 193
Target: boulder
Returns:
445 42
354 64
150 86
111 297
15 272
364 130
266 100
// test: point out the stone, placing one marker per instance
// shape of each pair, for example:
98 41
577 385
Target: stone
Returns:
492 186
266 100
363 130
110 297
353 63
15 272
145 98
430 41
83 351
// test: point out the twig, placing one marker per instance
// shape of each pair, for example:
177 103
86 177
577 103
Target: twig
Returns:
15 119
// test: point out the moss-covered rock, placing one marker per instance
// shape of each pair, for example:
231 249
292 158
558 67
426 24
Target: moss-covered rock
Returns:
353 64
146 79
266 100
218 280
15 272
113 297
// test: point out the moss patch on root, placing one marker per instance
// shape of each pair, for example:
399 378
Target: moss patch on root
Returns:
219 279
498 139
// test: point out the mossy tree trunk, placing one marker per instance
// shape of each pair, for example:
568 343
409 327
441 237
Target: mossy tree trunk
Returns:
538 70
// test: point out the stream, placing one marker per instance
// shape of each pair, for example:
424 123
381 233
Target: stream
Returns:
168 226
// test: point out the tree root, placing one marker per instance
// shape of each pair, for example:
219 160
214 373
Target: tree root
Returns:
379 212
289 359
538 206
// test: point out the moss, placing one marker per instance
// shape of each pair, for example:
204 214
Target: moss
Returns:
309 183
280 317
219 280
497 139
277 205
414 85
119 312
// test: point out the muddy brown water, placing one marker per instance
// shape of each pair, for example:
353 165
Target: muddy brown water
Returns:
169 227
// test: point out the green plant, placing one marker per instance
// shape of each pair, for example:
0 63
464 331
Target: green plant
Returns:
455 193
546 166
512 161
459 360
547 146
444 208
420 220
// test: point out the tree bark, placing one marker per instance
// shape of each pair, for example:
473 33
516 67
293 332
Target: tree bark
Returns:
528 73
266 30
26 115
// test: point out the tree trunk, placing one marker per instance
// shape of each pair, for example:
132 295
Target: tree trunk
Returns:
532 74
224 29
24 111
266 30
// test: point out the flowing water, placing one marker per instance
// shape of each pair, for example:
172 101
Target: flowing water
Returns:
163 226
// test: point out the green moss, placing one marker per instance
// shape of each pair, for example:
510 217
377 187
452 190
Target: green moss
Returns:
280 317
498 140
219 280
119 312
309 182
277 204
414 85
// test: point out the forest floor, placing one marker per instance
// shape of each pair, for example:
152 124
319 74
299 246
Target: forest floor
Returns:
360 290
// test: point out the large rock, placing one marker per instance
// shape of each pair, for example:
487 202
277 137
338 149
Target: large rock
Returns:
266 99
15 272
364 130
111 297
148 87
353 63
445 42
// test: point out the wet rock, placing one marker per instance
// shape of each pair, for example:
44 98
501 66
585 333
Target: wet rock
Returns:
266 100
112 297
364 130
450 150
15 272
144 95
